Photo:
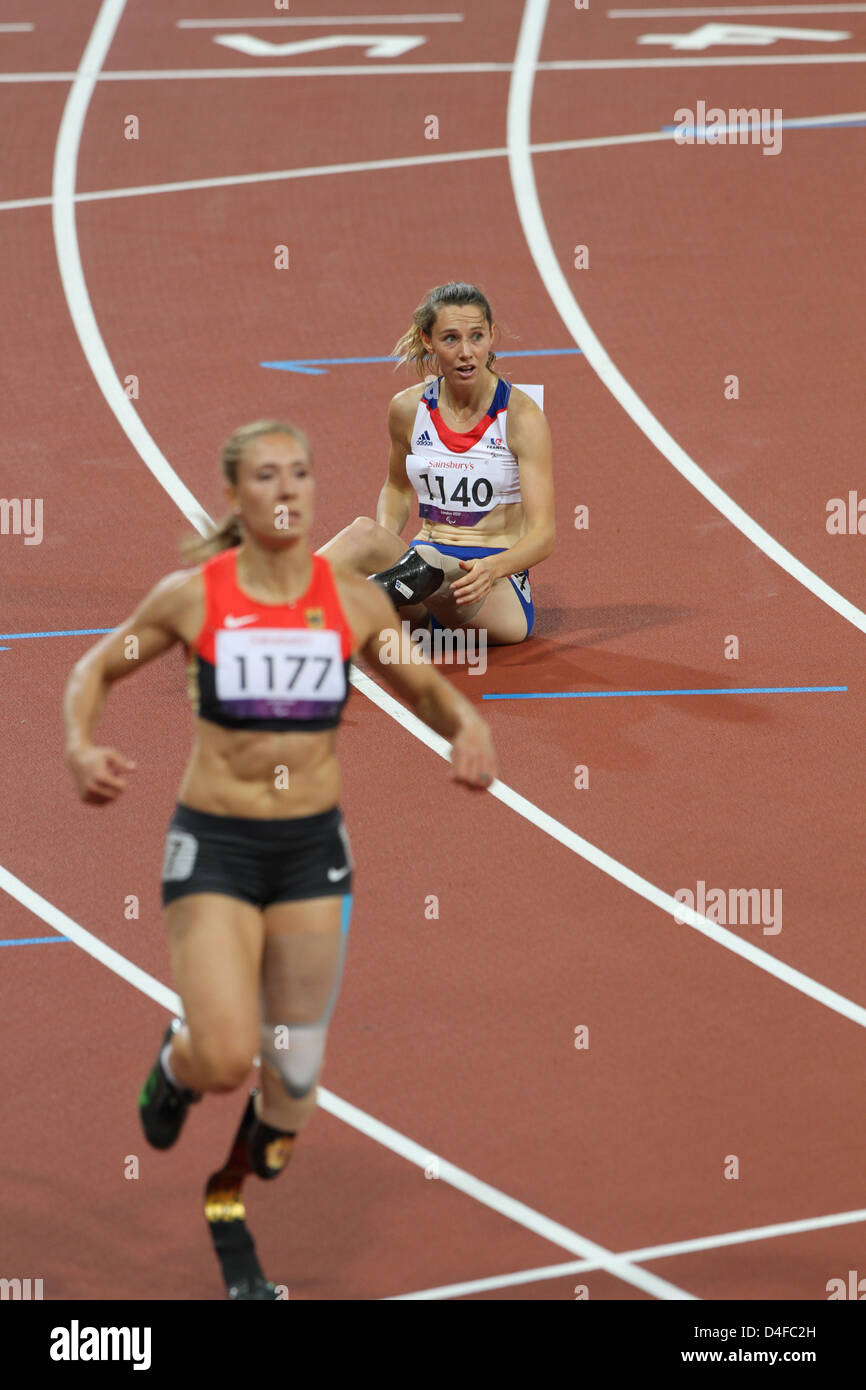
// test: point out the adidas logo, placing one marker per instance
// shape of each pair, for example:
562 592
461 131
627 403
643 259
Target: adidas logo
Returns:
424 439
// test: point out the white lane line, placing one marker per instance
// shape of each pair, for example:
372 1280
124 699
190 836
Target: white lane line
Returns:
106 955
100 364
400 162
620 872
507 1206
650 1252
304 21
318 170
37 76
547 264
722 61
271 176
69 261
325 70
736 9
17 28
427 69
458 1178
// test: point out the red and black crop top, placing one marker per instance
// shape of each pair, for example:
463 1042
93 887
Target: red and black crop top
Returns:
270 666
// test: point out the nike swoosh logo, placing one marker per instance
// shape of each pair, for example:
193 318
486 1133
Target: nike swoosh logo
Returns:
334 875
242 622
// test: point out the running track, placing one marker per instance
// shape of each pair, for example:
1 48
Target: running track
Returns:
458 1034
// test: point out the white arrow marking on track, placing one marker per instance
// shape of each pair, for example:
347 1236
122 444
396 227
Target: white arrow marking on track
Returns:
709 34
376 45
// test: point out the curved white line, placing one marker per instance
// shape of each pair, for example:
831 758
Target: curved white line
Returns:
541 249
72 274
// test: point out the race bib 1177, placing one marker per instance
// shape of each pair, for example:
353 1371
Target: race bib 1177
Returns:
280 672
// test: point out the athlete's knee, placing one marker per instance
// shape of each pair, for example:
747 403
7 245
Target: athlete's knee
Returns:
364 528
295 1052
221 1064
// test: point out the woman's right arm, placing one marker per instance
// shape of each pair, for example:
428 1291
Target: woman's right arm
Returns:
395 500
152 630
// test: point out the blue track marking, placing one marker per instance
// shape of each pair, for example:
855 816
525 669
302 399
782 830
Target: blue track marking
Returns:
34 940
71 632
312 366
804 124
722 690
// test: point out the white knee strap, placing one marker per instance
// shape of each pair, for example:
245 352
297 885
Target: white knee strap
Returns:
296 1052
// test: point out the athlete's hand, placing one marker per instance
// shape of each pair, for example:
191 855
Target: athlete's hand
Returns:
472 757
476 584
98 774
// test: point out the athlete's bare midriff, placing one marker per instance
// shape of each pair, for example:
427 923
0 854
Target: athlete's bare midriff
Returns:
499 529
261 775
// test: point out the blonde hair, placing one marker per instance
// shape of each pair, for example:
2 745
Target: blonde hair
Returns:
411 348
229 532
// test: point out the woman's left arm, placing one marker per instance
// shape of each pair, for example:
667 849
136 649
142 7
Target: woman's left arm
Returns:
529 441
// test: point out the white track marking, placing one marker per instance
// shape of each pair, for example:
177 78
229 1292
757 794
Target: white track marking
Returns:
37 76
736 9
72 275
554 65
417 1154
547 264
651 1252
374 45
740 36
97 357
133 975
304 21
17 28
426 69
401 162
507 1206
608 865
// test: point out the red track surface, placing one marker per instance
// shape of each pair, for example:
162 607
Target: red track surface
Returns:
459 1032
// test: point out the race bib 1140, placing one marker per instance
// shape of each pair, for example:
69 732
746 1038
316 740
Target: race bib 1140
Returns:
452 490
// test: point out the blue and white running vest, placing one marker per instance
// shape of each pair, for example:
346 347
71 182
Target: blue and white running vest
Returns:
459 478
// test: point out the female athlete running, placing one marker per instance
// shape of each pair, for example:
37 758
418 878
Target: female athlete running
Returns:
477 452
257 875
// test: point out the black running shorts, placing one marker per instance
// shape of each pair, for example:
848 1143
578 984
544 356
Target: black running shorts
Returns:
258 861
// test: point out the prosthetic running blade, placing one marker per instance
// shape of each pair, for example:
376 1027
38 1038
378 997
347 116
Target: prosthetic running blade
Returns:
226 1218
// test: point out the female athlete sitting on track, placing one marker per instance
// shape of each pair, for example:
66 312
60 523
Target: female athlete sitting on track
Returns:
257 874
477 451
